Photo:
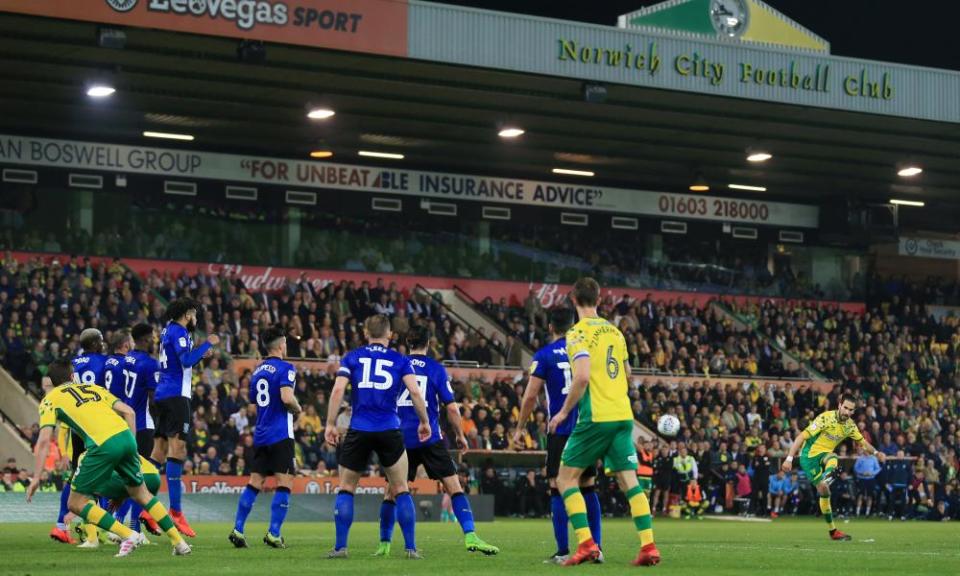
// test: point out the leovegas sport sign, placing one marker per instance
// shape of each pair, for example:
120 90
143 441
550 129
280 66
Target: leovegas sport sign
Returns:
374 26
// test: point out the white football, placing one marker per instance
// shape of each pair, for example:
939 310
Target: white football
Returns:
668 425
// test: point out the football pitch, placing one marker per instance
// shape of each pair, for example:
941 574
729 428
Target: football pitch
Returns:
706 547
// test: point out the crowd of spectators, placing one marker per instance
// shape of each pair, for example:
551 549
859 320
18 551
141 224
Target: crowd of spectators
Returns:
45 304
902 362
674 337
738 433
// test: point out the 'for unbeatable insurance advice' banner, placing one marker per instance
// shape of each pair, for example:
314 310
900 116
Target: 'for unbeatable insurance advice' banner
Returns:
298 174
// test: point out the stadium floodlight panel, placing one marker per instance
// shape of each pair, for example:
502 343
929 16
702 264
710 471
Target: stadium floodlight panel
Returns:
100 90
758 155
569 172
511 132
747 187
168 136
320 113
899 202
371 154
908 171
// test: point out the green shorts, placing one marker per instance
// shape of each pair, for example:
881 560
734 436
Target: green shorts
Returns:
646 483
813 466
116 488
610 441
118 455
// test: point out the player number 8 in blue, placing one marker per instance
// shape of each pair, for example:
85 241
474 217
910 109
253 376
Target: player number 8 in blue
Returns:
263 393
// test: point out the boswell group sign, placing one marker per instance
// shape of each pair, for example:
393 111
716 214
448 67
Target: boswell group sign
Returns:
305 175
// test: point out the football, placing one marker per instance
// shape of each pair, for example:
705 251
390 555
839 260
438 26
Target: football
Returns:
668 425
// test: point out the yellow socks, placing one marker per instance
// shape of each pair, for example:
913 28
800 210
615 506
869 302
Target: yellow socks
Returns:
577 512
97 516
90 532
640 510
156 511
827 511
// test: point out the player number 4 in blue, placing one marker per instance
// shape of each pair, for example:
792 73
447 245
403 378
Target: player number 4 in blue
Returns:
405 400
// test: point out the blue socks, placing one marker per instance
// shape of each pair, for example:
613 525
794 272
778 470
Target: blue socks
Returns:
461 508
122 511
388 515
64 496
407 516
278 509
594 513
559 514
135 510
174 470
244 506
343 517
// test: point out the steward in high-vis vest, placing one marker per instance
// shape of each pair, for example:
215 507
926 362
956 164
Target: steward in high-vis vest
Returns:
645 455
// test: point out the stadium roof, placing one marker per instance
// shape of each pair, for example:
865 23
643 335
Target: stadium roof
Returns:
445 117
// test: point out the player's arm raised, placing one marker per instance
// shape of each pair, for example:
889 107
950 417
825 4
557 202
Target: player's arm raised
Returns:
39 458
794 448
581 379
423 431
331 435
189 358
289 400
527 404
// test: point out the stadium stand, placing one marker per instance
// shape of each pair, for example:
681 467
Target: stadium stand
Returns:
214 231
688 361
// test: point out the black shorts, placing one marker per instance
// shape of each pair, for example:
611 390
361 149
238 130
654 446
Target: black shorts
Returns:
867 486
661 482
145 442
555 445
356 447
277 458
173 417
77 447
435 459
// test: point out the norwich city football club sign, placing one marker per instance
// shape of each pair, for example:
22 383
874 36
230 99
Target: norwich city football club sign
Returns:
731 48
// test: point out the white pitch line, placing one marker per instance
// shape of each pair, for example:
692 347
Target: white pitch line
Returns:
738 519
837 550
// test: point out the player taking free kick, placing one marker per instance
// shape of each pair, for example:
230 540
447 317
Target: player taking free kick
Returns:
816 444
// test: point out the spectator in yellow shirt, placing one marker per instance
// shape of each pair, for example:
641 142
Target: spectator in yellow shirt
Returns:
309 417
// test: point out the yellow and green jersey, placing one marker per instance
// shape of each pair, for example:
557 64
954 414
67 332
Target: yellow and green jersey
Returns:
826 432
65 441
605 399
87 409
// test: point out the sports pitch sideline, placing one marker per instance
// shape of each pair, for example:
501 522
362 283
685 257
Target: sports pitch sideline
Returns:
707 547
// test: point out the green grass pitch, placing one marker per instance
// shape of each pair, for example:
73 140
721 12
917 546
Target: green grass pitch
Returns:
706 547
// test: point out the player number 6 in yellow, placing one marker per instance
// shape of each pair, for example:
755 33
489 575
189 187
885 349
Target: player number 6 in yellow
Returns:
613 365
